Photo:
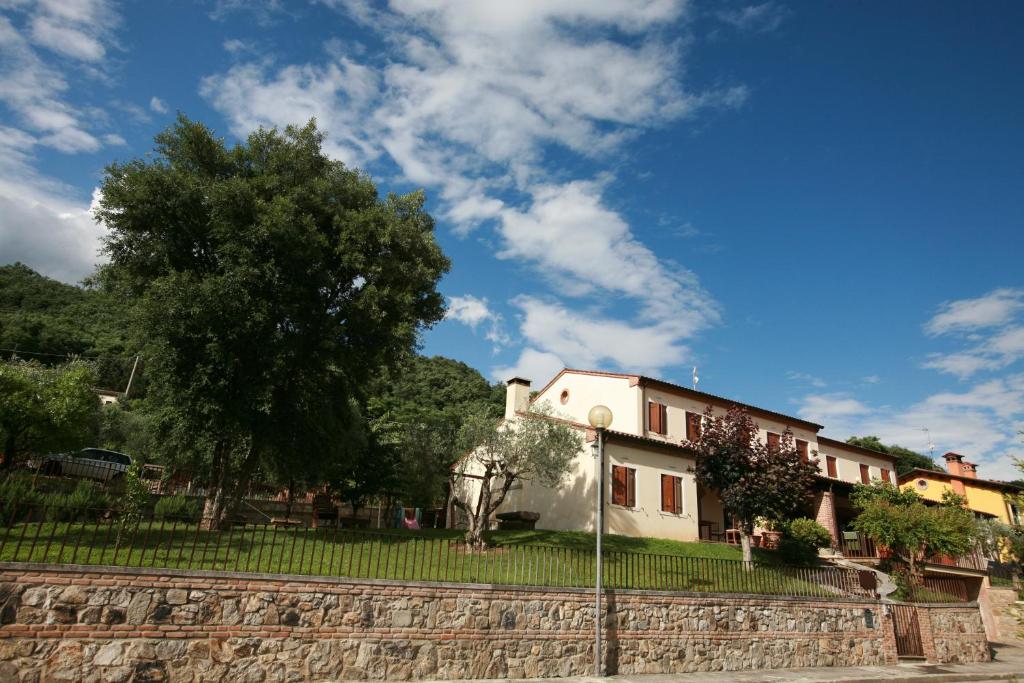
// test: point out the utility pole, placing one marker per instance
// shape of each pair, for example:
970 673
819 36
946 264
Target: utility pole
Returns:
131 376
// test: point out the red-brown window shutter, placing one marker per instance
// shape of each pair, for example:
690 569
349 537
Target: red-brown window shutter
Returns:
657 414
801 448
618 485
630 487
886 477
773 441
668 493
831 462
692 426
865 475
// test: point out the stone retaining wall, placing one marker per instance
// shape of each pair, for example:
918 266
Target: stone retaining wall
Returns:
98 624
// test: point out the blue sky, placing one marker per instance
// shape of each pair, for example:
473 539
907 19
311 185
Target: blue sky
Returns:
817 204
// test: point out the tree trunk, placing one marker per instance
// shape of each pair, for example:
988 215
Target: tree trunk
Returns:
745 545
9 449
214 504
478 521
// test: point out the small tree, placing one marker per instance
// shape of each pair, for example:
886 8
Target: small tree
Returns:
45 408
752 480
899 521
536 447
132 501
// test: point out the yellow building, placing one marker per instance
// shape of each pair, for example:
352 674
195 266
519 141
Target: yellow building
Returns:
984 497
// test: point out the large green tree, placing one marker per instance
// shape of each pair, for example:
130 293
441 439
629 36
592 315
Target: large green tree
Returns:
753 481
268 283
46 408
906 459
415 412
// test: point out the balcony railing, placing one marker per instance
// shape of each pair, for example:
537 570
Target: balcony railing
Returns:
857 548
974 561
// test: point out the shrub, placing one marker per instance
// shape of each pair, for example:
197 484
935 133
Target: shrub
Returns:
177 508
17 497
801 540
87 502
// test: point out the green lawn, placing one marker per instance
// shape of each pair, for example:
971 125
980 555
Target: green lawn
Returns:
543 558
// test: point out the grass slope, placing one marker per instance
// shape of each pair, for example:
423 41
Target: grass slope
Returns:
539 558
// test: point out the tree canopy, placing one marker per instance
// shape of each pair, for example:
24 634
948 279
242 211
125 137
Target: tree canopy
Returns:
50 322
45 408
267 283
415 411
906 459
899 521
535 447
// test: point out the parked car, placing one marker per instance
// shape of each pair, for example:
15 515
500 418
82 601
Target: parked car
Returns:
88 463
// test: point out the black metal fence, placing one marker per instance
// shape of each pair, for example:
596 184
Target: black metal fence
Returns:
106 536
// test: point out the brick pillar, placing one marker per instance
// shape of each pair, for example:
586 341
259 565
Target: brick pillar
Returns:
924 624
888 626
825 513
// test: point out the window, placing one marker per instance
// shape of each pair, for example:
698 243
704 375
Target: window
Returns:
801 448
830 462
623 486
564 398
773 441
693 425
886 476
865 475
671 494
922 484
657 418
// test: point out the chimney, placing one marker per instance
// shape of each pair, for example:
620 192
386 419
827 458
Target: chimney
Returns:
969 470
954 463
517 396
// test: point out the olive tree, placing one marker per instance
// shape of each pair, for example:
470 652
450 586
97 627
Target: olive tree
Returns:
898 520
536 447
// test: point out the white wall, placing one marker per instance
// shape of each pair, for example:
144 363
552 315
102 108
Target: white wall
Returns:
646 518
587 391
848 462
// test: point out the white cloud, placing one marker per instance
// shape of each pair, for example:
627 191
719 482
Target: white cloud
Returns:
762 18
468 310
472 99
966 315
37 213
536 366
990 322
472 311
339 95
806 378
586 340
981 423
157 105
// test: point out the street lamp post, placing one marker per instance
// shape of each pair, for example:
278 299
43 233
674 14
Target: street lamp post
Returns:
600 417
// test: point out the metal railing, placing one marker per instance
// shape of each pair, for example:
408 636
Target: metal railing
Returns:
939 589
104 536
861 547
975 561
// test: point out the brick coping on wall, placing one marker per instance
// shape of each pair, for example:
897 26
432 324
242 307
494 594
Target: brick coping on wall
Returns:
27 568
166 575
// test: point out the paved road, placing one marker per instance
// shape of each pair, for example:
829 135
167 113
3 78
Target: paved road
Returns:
1008 666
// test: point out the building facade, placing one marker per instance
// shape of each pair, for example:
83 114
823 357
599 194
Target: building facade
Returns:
651 487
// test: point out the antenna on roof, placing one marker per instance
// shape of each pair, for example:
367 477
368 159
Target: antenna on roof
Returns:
695 378
931 446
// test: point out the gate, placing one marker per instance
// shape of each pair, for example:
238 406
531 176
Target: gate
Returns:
908 631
